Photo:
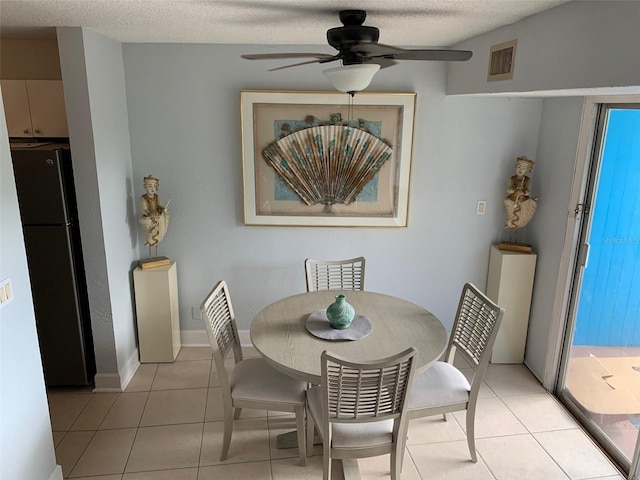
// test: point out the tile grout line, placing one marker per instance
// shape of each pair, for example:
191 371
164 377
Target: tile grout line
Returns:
577 426
204 419
83 452
269 432
69 430
137 431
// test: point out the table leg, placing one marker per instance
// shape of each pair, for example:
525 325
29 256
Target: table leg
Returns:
290 439
350 469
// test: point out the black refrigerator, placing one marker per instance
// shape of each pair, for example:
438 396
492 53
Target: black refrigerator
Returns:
48 210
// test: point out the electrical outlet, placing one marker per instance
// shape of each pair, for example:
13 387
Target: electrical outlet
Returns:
481 206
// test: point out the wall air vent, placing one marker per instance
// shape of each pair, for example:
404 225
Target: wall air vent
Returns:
502 59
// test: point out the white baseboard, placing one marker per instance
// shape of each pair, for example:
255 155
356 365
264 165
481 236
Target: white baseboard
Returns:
199 338
129 370
56 474
117 382
194 338
245 339
107 382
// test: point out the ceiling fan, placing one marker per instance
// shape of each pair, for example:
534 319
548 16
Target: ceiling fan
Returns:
360 53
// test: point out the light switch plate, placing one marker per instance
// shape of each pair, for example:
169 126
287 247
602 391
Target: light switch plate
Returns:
481 206
6 292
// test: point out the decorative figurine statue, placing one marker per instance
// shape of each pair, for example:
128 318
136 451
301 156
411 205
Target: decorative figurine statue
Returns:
519 204
155 217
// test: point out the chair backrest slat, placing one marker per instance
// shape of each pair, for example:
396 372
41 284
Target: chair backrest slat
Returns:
366 391
476 324
335 274
219 319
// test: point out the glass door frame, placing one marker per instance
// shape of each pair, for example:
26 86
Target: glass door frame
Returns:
582 228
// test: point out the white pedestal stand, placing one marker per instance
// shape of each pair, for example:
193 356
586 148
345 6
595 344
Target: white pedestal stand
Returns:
510 285
157 312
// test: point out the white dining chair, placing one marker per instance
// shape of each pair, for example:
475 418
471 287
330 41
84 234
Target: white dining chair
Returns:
335 274
251 383
360 408
443 388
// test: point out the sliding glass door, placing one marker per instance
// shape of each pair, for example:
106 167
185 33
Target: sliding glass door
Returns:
600 379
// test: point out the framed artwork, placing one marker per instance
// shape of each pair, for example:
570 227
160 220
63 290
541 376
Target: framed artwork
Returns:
326 159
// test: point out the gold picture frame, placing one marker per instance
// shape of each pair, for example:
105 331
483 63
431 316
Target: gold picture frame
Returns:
272 199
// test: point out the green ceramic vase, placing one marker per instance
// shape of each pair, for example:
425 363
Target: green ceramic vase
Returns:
340 313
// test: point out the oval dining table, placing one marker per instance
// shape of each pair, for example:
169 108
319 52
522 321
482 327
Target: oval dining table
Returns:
279 334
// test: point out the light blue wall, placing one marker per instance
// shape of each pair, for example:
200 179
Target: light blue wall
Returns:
109 119
184 117
553 177
93 78
183 113
571 49
183 106
26 442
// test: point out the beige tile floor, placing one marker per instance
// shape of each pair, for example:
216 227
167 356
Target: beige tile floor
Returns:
167 426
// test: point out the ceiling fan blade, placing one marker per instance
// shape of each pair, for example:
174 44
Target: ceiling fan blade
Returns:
388 51
431 54
374 49
279 56
317 60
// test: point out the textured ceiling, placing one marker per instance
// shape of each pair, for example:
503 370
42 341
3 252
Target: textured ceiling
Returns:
401 22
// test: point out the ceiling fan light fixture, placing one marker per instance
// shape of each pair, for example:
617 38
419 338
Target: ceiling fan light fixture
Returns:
351 78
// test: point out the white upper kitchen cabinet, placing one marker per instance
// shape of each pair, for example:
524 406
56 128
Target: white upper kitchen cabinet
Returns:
35 108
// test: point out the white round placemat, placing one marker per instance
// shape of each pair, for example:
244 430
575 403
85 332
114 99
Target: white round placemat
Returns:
318 325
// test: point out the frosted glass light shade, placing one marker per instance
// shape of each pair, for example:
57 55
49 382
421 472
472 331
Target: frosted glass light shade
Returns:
352 78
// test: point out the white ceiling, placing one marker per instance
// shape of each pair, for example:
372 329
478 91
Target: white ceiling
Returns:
432 23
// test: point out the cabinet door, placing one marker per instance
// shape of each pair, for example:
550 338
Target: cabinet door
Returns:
48 113
16 108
